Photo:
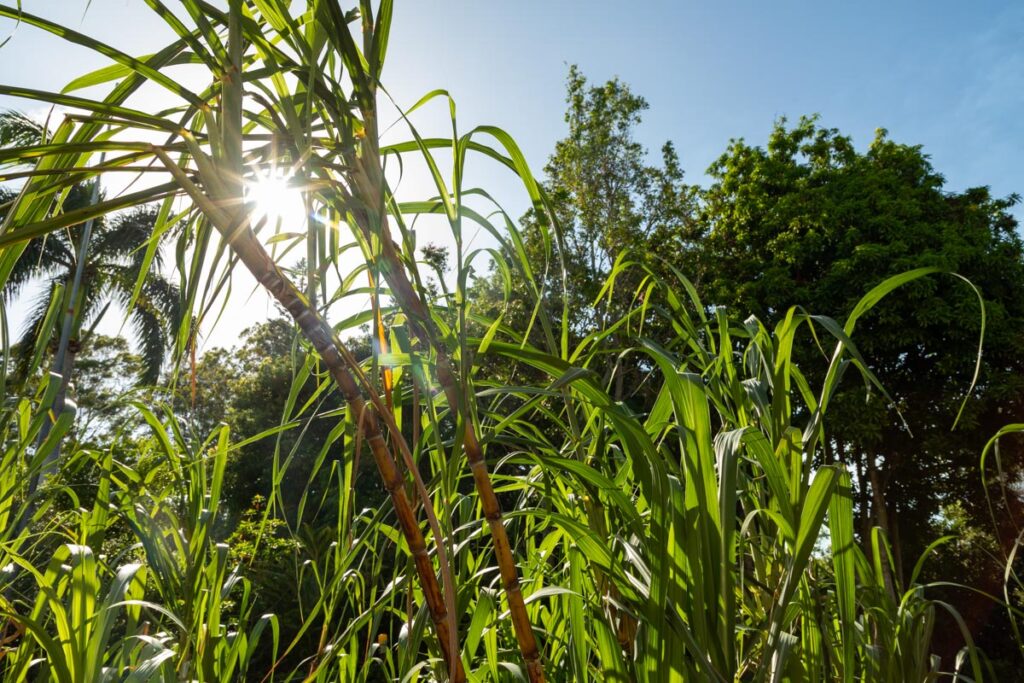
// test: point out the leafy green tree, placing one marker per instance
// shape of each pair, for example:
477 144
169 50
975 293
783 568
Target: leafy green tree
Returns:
248 387
809 220
606 197
608 201
105 371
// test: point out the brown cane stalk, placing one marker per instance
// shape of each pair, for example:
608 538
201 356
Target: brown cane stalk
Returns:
225 208
330 350
367 178
425 330
235 229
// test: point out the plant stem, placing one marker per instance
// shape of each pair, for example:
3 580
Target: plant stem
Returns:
332 352
424 329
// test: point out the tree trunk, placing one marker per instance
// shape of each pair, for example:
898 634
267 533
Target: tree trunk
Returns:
882 516
863 500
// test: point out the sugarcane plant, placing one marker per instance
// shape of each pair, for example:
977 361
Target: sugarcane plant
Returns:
213 136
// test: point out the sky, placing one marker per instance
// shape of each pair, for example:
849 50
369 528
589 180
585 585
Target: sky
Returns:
946 75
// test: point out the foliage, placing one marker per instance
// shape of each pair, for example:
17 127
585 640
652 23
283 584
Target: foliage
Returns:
809 220
92 617
106 373
246 388
685 541
609 204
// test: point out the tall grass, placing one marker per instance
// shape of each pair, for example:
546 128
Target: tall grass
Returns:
710 538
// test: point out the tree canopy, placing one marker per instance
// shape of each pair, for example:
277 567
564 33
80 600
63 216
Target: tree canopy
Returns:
809 220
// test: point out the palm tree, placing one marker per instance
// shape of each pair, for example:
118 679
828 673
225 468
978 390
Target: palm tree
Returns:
115 256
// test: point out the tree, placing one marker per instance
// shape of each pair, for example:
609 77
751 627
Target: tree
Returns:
246 387
808 220
115 257
608 201
106 370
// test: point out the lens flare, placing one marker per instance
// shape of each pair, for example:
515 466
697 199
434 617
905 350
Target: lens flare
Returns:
278 200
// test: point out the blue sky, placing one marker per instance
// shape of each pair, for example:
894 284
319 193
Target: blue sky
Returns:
946 75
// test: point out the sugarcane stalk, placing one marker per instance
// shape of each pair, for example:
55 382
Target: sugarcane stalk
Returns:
231 218
424 329
367 182
368 187
372 220
316 330
223 203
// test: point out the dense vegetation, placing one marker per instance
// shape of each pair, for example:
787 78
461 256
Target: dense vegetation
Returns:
673 433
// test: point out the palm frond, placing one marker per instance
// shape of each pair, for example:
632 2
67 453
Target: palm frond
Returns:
127 233
18 130
42 258
33 332
150 331
155 316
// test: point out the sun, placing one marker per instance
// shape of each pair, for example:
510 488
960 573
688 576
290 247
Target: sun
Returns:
278 200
